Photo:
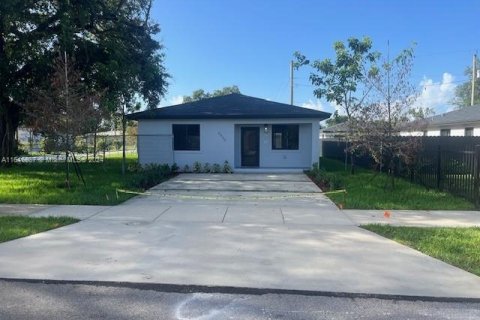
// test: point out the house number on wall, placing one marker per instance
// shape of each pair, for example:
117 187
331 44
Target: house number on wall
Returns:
221 136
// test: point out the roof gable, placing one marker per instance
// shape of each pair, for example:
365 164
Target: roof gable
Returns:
231 106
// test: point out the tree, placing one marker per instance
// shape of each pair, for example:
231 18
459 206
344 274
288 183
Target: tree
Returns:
23 46
463 92
342 81
64 109
336 119
387 113
112 41
201 94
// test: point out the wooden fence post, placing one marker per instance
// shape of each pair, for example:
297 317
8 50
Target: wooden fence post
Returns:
439 167
476 177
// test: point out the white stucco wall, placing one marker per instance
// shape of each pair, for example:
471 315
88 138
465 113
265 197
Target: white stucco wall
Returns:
220 141
454 132
435 132
216 141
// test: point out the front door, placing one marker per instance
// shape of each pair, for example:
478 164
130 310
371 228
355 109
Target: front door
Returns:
250 146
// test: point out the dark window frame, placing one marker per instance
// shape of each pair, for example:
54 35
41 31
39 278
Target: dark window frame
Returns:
290 136
470 131
186 137
445 132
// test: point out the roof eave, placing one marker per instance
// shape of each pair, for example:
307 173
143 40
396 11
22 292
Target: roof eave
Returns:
205 117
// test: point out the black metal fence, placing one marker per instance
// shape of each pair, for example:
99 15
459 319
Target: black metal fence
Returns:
450 164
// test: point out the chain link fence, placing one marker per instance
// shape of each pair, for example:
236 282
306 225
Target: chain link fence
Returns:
86 148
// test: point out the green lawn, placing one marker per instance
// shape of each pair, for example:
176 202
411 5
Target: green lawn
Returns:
457 246
13 227
44 183
366 190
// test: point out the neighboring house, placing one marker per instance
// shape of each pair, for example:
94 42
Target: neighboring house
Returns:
335 132
29 140
247 132
462 122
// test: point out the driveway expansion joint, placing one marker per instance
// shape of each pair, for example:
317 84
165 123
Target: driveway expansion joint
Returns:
156 218
225 214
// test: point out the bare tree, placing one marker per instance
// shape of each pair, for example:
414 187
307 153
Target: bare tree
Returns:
384 128
342 81
64 108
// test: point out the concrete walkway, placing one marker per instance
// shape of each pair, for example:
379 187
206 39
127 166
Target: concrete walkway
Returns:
183 232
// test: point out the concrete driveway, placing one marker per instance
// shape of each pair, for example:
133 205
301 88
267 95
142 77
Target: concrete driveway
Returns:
240 230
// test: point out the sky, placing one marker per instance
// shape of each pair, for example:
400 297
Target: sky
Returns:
210 44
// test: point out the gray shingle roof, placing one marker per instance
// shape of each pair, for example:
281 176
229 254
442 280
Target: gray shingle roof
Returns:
464 115
339 127
232 106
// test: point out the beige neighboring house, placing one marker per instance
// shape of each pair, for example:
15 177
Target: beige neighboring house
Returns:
459 123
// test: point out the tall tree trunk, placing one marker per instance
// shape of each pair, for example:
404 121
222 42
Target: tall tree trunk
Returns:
352 163
124 129
9 119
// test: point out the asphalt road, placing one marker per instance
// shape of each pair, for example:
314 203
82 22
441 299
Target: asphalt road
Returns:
21 300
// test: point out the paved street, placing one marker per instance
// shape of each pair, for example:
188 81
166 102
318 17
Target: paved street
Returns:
66 301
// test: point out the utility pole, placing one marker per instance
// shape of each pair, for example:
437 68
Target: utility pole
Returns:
474 74
291 83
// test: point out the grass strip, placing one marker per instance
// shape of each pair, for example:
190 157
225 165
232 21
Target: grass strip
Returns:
14 227
456 246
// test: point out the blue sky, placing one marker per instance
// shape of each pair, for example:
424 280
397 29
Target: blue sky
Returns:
210 44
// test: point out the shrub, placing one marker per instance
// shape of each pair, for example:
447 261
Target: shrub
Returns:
216 168
206 167
134 167
174 168
226 167
197 167
326 180
186 168
150 175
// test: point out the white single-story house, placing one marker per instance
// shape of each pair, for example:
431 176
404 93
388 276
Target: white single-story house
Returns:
247 132
456 123
462 122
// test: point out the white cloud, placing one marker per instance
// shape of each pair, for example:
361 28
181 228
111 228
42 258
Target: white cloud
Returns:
171 101
330 107
176 100
317 105
437 95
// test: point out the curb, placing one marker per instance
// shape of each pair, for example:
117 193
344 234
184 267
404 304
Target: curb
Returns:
178 288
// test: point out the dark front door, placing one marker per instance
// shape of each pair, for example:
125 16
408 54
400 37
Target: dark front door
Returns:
250 146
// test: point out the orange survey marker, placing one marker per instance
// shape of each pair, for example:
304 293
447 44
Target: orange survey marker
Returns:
386 214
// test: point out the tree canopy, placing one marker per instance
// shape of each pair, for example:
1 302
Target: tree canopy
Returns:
340 80
336 118
201 94
112 43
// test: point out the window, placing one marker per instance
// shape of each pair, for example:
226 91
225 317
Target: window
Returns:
186 136
468 132
285 137
445 132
